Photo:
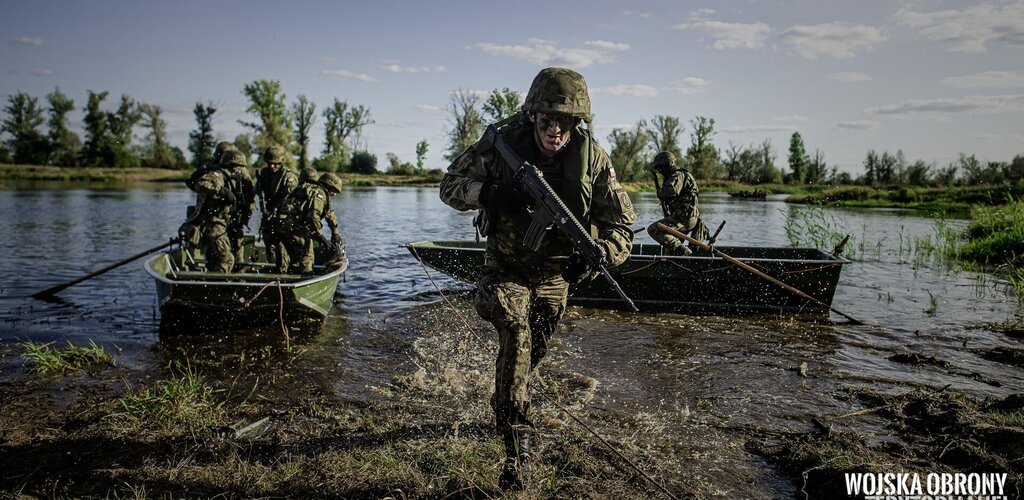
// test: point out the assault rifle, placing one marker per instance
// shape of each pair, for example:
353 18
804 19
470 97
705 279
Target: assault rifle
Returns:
547 209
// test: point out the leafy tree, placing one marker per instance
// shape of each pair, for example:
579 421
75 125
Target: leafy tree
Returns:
245 144
501 104
702 154
627 150
364 162
95 130
768 172
466 120
973 171
117 148
63 143
799 162
421 155
817 169
274 121
24 116
304 112
918 173
871 165
200 140
886 168
664 134
158 152
340 123
946 176
1015 170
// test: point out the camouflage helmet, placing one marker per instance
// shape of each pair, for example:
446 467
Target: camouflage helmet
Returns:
274 154
330 182
664 160
223 146
307 174
232 158
558 91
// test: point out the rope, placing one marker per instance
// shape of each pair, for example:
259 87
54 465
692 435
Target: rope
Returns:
280 309
544 396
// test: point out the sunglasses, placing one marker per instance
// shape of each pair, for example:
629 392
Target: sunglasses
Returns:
565 123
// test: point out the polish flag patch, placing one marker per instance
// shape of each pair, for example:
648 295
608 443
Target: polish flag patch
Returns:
611 172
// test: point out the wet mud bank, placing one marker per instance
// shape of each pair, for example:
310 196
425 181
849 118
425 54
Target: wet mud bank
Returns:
396 405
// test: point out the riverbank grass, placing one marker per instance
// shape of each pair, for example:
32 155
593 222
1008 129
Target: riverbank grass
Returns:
48 360
185 402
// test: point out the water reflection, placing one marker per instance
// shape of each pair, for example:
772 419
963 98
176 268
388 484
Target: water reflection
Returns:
910 304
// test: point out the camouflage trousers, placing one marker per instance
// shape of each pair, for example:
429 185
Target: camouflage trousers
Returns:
236 235
271 231
297 257
216 245
524 309
672 243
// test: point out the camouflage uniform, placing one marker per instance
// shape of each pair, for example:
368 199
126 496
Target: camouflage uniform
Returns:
678 195
522 292
215 208
273 189
243 187
309 204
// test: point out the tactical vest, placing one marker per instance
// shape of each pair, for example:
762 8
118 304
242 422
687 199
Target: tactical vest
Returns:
682 203
570 177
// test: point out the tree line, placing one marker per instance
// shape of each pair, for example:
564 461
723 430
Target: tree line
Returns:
109 141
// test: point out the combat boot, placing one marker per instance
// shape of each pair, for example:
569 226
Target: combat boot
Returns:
518 439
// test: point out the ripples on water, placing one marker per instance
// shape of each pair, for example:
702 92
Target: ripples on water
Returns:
692 379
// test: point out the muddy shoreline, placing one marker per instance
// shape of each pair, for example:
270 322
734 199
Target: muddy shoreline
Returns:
427 432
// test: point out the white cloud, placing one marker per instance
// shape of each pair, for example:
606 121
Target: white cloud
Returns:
971 29
394 68
987 79
637 13
28 40
1000 137
838 40
636 90
605 45
730 35
701 13
41 72
345 75
923 108
790 119
859 124
690 85
547 53
849 77
428 109
758 129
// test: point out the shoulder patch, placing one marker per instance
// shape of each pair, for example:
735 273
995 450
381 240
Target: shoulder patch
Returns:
611 172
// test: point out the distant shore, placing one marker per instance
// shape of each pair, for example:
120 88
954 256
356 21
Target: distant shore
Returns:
129 175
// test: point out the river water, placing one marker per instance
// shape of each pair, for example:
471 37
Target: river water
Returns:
702 384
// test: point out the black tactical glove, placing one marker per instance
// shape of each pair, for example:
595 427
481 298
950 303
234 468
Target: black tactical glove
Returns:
502 197
336 239
227 195
575 268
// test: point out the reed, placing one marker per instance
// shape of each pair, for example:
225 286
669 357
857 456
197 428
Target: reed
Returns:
42 358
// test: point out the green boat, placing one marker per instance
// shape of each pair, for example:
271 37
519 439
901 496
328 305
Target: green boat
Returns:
701 283
253 293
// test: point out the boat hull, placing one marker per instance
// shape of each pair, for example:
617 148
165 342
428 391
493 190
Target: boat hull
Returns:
695 284
253 295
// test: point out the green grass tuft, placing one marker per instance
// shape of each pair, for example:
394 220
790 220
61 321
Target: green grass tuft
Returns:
42 358
184 402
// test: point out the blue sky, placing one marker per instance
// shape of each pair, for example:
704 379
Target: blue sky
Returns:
931 78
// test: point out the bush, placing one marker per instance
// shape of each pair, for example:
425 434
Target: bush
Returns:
363 162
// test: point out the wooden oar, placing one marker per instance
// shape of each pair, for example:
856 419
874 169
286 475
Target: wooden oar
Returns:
754 270
50 292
